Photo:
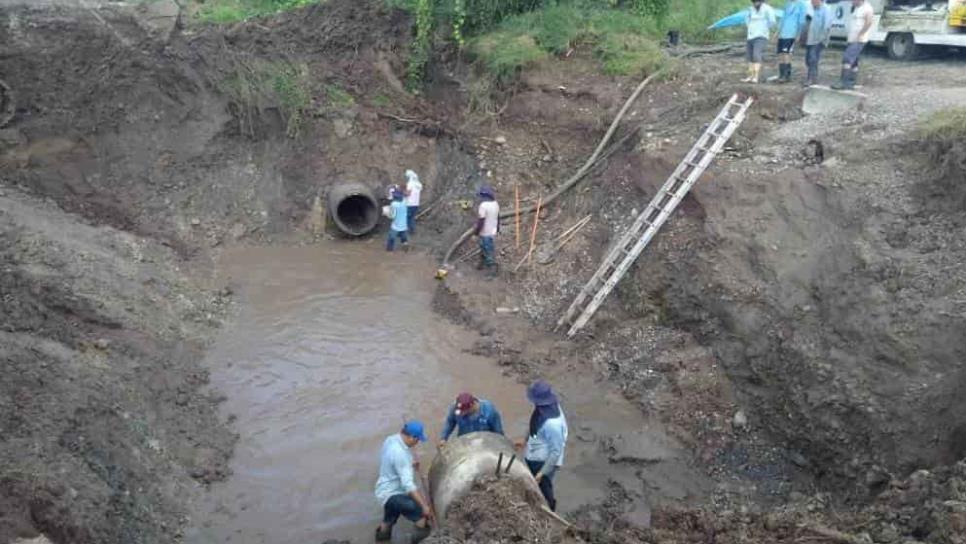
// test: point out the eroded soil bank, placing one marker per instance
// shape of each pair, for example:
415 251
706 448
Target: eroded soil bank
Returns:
820 297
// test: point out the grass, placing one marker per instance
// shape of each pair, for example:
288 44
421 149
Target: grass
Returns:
625 43
692 18
947 125
257 85
230 11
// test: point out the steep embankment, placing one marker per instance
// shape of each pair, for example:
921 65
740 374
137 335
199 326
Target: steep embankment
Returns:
136 143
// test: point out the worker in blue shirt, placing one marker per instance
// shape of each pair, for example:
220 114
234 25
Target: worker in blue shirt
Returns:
546 438
469 415
790 29
396 487
398 213
817 34
760 18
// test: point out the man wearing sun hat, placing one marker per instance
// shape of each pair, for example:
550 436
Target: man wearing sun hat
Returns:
546 438
396 487
469 415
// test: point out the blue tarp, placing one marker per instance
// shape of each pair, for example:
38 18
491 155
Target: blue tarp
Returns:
738 19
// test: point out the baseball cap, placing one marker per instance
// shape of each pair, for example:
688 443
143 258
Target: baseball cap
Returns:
464 402
415 429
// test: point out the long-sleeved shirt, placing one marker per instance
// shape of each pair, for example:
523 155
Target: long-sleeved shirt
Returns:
486 419
396 476
793 21
549 444
820 25
760 21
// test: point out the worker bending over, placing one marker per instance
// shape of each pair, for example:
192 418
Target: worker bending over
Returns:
469 415
396 488
546 439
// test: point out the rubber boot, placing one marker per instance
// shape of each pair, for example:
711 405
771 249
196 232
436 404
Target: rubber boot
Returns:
383 536
843 80
788 73
420 534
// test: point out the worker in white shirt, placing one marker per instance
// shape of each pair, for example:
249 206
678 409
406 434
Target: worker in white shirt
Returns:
860 29
414 189
487 225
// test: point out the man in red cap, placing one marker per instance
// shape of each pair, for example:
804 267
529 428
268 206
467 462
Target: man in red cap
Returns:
469 415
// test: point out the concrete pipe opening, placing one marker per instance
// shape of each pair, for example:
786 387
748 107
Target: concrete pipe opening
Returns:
465 459
353 208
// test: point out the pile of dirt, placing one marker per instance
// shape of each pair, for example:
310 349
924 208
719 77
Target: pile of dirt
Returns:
928 507
500 510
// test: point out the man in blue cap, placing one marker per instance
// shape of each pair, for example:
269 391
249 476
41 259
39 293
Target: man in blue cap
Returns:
396 488
469 415
547 438
487 225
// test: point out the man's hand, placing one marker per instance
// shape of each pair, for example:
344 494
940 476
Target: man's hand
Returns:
518 445
441 444
538 477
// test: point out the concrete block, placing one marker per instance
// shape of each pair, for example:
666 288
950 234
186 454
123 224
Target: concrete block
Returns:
820 99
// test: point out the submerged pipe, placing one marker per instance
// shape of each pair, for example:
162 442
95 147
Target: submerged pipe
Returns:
466 458
353 208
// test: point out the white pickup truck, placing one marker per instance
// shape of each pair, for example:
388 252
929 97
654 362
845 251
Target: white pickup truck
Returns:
904 25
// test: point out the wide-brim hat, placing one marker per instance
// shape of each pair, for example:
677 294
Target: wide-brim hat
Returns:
541 394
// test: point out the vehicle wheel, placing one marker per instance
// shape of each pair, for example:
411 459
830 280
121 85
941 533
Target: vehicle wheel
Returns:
901 46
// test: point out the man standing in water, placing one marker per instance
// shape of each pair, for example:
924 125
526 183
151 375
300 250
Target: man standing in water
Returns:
469 415
414 189
547 438
398 213
396 488
487 225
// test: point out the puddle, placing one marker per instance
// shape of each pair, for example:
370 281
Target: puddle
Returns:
334 346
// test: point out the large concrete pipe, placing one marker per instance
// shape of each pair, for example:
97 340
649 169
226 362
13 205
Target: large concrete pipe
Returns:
468 457
353 208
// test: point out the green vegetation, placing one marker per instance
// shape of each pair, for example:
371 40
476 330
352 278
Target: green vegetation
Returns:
947 125
507 35
258 85
230 11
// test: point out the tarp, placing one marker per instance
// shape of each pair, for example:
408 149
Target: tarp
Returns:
738 19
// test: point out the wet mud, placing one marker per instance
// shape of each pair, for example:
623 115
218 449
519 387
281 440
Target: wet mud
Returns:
332 347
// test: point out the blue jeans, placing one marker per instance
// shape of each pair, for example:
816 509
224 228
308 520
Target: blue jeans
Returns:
488 247
411 212
546 483
850 59
813 55
401 505
393 234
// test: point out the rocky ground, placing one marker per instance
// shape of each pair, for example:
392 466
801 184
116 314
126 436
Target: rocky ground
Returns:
798 323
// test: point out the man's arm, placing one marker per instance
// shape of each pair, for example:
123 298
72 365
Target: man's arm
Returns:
869 20
449 425
496 422
553 435
481 217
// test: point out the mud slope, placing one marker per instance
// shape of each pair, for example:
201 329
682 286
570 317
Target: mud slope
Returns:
831 292
99 399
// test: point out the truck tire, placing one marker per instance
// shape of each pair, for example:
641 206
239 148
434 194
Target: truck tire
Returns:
901 46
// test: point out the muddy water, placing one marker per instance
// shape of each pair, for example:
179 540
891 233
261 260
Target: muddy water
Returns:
333 347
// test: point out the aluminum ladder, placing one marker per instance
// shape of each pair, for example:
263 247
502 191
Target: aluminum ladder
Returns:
623 254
